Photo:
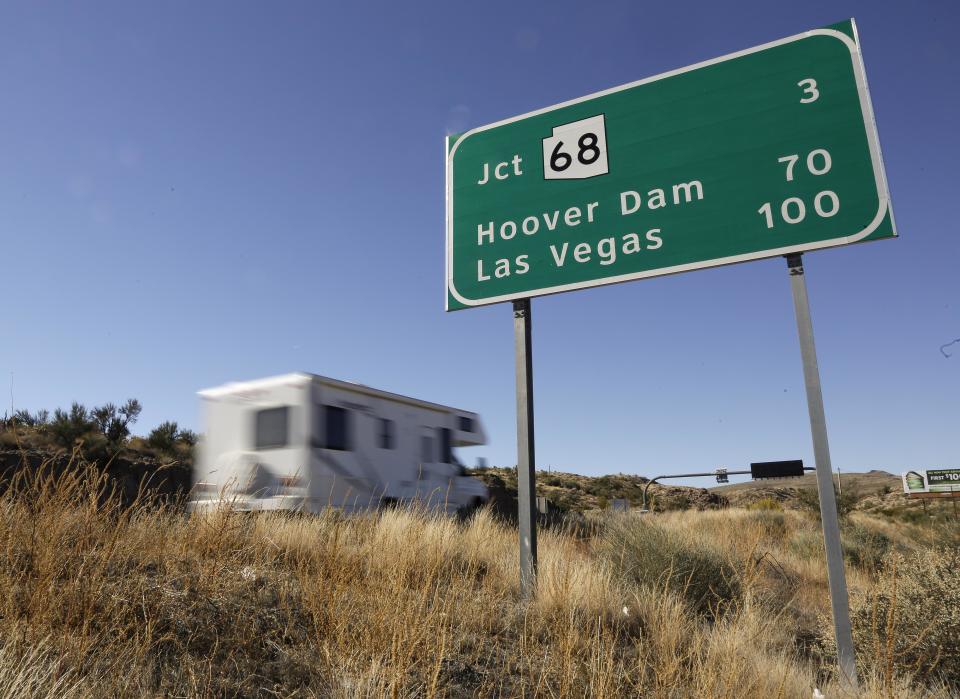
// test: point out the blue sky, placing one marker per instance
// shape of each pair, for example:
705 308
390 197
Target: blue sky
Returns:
194 193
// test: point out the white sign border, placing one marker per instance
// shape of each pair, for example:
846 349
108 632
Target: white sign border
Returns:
883 194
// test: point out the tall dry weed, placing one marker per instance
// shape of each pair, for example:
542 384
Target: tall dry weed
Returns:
645 552
35 672
146 602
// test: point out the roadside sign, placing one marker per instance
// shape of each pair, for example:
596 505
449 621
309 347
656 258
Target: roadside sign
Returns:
764 152
945 480
942 480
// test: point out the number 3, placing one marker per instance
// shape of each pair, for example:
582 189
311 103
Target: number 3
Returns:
809 86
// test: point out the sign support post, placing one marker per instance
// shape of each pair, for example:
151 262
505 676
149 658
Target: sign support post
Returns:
836 576
526 459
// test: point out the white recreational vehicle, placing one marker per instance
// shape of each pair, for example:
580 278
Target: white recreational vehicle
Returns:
304 442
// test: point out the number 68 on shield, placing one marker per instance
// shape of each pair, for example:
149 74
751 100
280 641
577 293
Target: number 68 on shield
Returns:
576 151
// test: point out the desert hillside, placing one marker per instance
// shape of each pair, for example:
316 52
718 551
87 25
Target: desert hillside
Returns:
860 485
570 494
574 493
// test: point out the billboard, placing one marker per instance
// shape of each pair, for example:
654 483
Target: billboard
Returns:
941 480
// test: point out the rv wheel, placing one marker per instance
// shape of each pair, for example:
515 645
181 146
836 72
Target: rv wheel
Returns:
467 512
389 503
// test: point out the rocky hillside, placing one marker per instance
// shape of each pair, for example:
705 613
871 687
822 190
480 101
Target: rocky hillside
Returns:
859 485
128 474
874 492
571 492
51 445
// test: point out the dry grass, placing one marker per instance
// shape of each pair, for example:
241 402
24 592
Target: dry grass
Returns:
145 601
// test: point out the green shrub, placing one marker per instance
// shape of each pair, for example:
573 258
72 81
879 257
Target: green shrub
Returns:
8 439
38 419
566 502
667 503
914 516
766 503
188 437
846 503
646 554
67 427
113 422
809 500
108 421
773 523
807 544
864 547
164 436
909 624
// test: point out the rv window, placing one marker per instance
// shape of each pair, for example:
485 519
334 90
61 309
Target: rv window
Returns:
336 434
270 428
386 433
446 447
426 449
466 424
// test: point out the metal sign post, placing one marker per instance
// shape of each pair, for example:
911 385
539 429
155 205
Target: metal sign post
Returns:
526 459
836 576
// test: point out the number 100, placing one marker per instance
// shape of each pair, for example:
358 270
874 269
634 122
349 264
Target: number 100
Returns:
793 210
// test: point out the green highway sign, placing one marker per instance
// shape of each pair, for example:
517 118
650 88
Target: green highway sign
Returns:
763 152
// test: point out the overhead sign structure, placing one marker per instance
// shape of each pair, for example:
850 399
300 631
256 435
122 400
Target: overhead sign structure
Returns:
776 469
943 480
764 152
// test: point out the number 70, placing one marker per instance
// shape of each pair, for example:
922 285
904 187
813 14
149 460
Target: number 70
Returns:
812 166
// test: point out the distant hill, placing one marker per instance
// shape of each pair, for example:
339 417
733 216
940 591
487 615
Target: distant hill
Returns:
785 490
572 492
876 492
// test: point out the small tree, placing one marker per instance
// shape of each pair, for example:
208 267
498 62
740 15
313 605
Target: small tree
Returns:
167 436
28 419
188 437
113 422
67 427
164 436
